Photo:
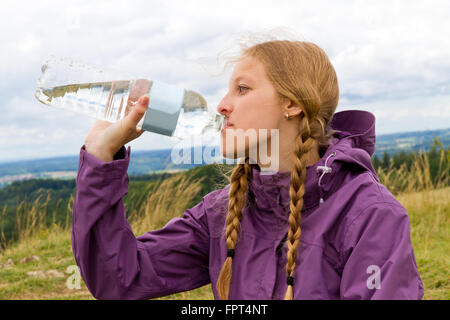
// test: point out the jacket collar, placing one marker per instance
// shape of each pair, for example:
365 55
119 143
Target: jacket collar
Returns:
355 145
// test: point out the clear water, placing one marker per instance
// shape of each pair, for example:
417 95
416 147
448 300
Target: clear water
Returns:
112 100
102 100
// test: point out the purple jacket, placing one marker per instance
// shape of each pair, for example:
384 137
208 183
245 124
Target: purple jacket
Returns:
355 241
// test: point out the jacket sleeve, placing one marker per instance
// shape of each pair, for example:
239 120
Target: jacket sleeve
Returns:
378 256
114 263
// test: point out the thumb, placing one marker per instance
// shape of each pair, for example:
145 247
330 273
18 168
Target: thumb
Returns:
138 111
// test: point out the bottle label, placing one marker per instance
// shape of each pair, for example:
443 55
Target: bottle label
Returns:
164 108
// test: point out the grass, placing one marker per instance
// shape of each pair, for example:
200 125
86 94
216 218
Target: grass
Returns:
429 215
55 253
53 244
427 204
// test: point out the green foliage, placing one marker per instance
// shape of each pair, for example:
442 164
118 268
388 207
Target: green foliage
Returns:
17 198
438 162
29 189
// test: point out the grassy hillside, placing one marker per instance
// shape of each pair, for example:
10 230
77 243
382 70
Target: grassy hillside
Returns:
40 264
429 218
40 202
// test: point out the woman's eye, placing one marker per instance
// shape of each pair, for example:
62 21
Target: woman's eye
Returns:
240 88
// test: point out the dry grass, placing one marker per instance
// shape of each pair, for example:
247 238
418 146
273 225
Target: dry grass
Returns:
170 199
164 201
418 178
426 201
429 214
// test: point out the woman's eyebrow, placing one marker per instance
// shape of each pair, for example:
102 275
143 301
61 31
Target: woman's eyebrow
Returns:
242 78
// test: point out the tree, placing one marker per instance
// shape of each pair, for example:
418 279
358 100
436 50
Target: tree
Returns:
376 162
385 161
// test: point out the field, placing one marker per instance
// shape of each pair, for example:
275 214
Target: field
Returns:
40 264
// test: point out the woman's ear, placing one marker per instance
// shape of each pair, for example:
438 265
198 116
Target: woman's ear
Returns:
291 108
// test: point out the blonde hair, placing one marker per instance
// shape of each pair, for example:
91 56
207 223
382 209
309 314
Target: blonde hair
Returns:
302 72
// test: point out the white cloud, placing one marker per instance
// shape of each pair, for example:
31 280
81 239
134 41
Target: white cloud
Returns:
391 57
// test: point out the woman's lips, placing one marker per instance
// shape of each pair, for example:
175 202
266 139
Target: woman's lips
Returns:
227 125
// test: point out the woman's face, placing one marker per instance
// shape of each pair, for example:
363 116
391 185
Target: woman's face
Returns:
250 104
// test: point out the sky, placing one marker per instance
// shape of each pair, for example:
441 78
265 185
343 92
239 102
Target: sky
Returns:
392 58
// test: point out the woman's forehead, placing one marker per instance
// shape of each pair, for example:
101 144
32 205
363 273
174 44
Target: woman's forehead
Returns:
249 69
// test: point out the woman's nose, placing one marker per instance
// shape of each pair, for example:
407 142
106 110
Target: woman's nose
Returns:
224 108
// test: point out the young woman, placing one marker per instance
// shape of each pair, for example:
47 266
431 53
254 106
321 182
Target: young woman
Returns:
320 227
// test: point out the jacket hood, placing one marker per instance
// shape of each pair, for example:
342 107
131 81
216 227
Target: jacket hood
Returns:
350 149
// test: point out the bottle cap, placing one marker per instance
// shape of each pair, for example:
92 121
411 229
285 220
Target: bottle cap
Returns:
164 108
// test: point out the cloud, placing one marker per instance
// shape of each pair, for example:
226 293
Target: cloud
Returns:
390 56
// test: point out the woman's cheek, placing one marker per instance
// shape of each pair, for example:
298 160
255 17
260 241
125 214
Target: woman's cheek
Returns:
238 143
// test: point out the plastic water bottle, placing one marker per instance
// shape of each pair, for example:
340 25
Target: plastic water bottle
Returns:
172 111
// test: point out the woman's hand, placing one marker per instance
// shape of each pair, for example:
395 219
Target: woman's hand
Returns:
105 139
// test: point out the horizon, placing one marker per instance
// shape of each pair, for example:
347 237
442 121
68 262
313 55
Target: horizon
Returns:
164 149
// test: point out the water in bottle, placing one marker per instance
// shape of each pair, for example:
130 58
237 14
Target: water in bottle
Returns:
172 111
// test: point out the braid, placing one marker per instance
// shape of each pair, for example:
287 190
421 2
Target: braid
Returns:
238 188
302 73
297 189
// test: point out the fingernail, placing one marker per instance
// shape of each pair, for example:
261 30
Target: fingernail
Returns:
143 99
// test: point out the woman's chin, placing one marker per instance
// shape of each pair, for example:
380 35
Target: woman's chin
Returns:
233 151
230 152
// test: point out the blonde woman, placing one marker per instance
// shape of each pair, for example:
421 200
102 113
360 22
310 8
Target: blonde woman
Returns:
320 227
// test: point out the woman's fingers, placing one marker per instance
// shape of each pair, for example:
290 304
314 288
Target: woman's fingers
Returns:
133 118
110 137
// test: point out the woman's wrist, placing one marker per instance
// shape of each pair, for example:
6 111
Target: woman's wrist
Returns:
100 154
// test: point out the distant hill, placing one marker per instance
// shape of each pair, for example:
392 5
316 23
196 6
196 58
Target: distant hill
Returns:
410 141
146 162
